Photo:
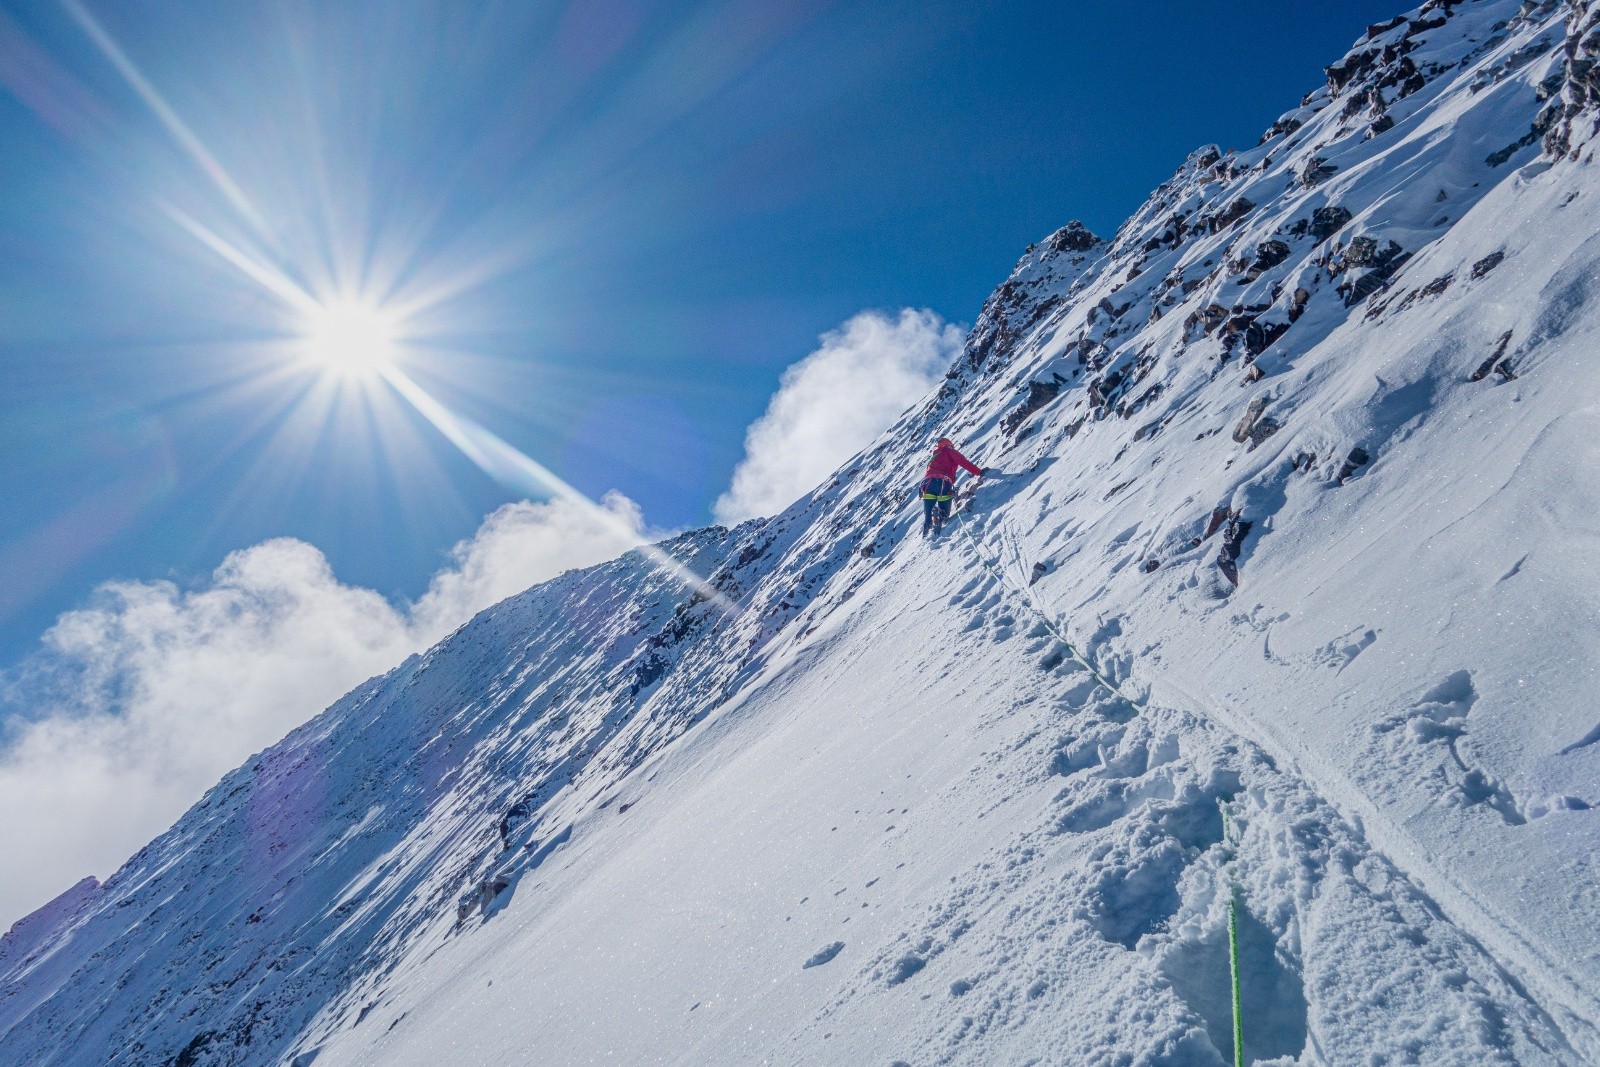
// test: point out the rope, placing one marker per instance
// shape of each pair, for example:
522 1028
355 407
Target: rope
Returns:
1043 616
1227 823
1233 939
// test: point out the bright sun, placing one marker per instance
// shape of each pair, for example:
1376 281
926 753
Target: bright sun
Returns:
350 338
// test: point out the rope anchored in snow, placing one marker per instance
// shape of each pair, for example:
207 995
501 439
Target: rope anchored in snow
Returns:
1233 936
959 520
1228 838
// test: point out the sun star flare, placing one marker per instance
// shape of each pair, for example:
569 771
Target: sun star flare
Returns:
349 337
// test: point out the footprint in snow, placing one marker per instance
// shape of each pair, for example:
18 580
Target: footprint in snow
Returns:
1342 651
1429 733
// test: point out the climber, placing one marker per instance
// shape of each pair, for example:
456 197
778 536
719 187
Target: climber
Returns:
939 483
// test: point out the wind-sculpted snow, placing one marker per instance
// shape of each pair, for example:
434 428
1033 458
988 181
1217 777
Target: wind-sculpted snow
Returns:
1293 509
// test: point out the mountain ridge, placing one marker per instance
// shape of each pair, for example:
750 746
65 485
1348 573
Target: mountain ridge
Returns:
1265 460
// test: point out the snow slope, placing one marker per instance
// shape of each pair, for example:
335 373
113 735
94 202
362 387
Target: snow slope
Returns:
1295 509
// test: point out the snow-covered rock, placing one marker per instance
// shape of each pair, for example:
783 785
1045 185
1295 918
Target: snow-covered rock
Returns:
1296 511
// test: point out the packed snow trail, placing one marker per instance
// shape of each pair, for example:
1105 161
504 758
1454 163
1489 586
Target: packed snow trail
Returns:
1576 1006
1558 991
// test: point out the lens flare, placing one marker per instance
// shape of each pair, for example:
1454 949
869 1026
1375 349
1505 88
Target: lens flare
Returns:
352 338
349 338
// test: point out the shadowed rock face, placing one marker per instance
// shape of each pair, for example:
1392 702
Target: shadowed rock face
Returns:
1569 121
1073 237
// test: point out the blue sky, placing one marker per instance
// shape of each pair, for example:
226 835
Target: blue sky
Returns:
648 210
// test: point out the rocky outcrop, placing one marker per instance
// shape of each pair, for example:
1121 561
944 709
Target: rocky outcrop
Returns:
1380 69
1353 462
1365 266
1073 237
1496 363
1572 117
1040 393
1037 286
1487 264
1255 427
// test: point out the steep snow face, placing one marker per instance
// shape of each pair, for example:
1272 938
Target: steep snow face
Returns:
1295 511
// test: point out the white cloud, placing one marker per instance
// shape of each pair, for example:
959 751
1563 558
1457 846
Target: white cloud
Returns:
833 403
518 545
139 703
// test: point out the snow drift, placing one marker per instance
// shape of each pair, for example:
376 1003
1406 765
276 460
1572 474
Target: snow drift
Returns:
1295 511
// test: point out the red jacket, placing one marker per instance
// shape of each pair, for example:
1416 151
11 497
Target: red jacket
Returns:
946 460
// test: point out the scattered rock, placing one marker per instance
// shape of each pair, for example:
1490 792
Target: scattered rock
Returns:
1150 565
1579 86
1357 459
1232 542
1131 408
480 896
1259 336
1252 414
190 1054
1316 171
1496 362
1487 264
1425 24
1361 252
1285 125
1040 569
1111 309
1438 285
1537 130
1073 237
514 817
1297 304
1039 394
1368 267
1105 391
1229 215
1176 229
1213 524
1378 29
1268 255
1261 431
1211 316
1327 221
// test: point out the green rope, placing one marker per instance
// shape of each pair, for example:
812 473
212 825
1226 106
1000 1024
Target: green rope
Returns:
1227 824
1044 617
1233 940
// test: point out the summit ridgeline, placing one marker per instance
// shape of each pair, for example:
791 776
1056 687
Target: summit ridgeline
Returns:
1288 521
